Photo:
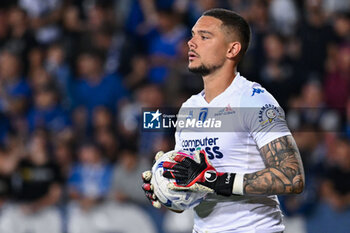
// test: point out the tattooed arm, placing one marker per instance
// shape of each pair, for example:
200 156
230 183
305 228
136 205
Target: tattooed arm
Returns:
284 173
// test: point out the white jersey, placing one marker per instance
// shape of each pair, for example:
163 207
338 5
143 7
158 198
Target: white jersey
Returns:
256 120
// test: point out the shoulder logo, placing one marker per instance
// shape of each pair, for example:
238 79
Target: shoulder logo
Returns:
257 91
269 113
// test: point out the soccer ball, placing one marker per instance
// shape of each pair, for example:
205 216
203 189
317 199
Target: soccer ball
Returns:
175 200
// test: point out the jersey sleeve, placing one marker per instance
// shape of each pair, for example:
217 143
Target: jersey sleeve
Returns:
261 116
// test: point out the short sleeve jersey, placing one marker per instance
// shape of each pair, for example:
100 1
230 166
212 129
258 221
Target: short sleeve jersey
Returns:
32 182
251 118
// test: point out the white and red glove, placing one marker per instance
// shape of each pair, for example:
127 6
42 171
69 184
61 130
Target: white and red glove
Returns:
201 176
148 187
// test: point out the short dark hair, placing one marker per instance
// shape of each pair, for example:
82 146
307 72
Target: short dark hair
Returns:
234 22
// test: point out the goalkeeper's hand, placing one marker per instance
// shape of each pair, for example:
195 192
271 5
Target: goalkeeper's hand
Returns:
148 187
201 176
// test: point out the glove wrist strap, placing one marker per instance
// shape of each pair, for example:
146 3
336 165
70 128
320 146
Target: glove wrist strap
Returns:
224 184
237 187
229 183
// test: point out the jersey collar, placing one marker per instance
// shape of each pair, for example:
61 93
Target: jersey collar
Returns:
234 84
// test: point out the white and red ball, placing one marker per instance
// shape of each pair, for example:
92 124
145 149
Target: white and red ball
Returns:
175 200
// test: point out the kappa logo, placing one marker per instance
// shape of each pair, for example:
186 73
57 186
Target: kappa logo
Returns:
257 91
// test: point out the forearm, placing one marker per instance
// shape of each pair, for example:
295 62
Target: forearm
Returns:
271 181
283 173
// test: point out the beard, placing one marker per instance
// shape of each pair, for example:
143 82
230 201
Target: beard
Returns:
204 70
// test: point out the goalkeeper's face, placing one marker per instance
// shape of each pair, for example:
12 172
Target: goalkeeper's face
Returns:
207 47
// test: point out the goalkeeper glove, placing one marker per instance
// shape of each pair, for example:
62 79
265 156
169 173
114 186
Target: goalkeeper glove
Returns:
148 187
201 176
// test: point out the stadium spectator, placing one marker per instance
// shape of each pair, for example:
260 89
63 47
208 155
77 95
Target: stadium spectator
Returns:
4 30
310 111
14 87
138 74
39 78
102 118
341 27
316 36
284 16
89 180
126 183
109 143
64 156
332 212
43 18
277 71
89 185
336 186
161 50
333 6
56 65
93 88
337 81
36 58
104 133
258 17
73 28
37 186
126 180
21 38
7 167
80 123
46 111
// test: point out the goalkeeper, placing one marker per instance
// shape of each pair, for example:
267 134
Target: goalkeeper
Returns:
254 162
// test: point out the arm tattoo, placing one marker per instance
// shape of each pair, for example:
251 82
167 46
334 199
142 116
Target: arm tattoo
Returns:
284 171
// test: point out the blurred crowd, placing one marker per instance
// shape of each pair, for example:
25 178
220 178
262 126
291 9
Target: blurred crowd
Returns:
75 75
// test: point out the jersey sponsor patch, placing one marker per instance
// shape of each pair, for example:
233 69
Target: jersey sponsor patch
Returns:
228 110
270 113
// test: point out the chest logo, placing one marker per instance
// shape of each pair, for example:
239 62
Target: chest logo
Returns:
225 111
203 114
